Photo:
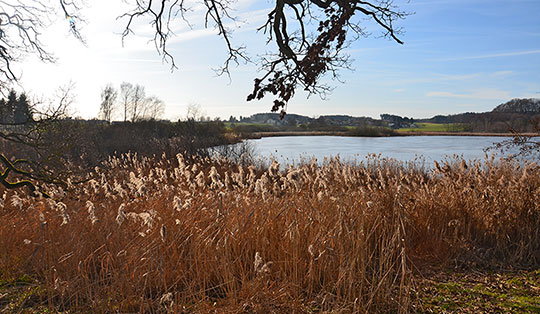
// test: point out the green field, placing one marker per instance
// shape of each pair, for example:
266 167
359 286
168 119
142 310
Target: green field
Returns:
435 127
481 292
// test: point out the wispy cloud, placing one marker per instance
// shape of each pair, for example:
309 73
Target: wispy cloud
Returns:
249 22
193 34
129 60
484 94
415 78
494 55
502 74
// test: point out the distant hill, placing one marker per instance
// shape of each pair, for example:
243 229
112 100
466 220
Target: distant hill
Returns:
515 114
274 119
295 119
526 105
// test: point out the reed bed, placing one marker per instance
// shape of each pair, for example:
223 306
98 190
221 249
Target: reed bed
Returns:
158 235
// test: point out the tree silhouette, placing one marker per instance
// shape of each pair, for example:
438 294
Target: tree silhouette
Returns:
21 25
9 108
310 35
126 93
108 102
22 112
137 106
138 102
154 108
3 111
526 144
15 110
33 133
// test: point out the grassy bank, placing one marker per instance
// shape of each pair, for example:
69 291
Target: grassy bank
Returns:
253 131
160 235
258 130
479 292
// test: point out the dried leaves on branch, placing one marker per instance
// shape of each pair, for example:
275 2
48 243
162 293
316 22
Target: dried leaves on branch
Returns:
310 35
304 59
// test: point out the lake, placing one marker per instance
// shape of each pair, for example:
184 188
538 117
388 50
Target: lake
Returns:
291 149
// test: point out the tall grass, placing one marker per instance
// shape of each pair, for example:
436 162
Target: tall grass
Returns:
161 235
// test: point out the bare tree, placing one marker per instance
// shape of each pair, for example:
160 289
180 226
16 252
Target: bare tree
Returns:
126 95
20 32
304 55
138 102
21 24
108 102
34 137
154 109
194 112
526 145
137 106
311 36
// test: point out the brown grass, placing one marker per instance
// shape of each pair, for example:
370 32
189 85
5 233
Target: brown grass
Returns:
157 235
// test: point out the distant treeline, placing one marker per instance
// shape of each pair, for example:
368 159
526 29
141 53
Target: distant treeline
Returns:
88 142
514 115
247 130
488 122
15 109
485 122
304 122
496 122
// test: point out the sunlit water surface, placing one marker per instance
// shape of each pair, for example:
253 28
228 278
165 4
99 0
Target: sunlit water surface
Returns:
293 149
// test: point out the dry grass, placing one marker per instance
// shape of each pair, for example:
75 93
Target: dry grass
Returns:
158 235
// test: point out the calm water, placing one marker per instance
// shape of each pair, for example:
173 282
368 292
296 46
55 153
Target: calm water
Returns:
290 149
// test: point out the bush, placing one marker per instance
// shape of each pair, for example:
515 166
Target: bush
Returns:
368 131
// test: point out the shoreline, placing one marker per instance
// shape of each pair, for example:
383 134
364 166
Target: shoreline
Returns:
258 135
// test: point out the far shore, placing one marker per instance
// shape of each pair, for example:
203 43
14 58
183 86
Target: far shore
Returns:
257 135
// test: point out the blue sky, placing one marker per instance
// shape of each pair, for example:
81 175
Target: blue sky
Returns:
458 56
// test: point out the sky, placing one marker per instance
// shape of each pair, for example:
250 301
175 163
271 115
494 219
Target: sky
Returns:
458 56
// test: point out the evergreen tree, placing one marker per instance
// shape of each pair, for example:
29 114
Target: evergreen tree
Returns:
15 110
21 112
3 111
10 107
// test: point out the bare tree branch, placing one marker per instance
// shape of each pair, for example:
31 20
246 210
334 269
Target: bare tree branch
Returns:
36 138
527 145
21 23
310 36
301 62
